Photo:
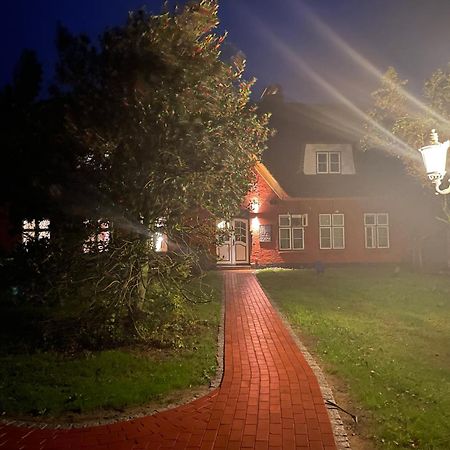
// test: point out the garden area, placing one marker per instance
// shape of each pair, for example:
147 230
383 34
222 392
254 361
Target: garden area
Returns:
385 336
91 384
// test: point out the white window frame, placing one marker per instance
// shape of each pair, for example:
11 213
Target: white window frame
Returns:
328 162
35 229
332 226
288 225
374 229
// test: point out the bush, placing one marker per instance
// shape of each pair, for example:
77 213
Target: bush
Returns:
59 299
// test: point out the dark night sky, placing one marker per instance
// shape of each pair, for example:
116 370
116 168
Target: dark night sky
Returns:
310 47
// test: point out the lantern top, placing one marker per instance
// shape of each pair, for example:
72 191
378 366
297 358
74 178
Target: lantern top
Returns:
434 137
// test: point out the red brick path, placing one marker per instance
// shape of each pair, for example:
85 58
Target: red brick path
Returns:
269 397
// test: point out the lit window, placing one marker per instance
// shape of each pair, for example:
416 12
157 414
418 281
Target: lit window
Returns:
160 242
328 162
376 227
159 238
35 229
332 235
99 239
291 231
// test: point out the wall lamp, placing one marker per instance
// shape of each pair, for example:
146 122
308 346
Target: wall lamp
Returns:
435 160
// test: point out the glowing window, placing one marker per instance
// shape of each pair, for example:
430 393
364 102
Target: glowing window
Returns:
100 237
159 237
35 229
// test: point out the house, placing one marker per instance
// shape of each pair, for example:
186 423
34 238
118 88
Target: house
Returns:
318 197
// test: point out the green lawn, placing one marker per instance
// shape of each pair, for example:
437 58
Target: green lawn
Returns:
48 384
387 337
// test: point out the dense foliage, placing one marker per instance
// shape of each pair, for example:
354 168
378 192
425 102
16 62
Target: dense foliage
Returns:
157 138
401 122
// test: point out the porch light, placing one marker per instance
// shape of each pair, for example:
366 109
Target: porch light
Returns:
434 159
255 224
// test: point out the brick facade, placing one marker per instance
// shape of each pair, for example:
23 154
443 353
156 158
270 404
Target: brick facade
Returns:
270 206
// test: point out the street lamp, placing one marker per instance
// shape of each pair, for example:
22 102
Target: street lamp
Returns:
435 159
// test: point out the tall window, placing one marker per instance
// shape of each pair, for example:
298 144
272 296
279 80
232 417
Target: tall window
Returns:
328 162
291 231
35 229
331 231
376 227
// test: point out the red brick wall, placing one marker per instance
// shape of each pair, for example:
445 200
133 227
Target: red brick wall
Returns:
270 206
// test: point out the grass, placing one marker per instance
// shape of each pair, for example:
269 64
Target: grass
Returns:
387 337
49 384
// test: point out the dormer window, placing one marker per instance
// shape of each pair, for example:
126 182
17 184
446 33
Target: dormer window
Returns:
320 159
328 162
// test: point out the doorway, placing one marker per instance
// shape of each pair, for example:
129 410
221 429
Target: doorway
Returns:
233 247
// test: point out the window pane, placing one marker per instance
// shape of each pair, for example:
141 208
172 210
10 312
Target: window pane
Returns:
28 224
322 162
296 221
335 168
285 238
338 220
383 237
325 238
370 235
382 219
27 236
325 220
44 235
103 238
335 157
335 163
369 219
338 237
240 231
44 224
297 238
284 220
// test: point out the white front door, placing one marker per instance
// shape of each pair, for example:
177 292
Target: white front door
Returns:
233 248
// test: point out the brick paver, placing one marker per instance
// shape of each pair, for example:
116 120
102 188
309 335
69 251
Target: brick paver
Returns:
269 398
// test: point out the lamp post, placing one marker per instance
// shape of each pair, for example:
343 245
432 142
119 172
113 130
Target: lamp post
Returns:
435 159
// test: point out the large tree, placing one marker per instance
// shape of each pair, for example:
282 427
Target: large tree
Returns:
165 139
400 122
